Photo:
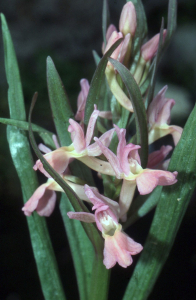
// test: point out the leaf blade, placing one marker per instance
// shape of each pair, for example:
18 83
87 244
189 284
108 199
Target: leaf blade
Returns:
168 216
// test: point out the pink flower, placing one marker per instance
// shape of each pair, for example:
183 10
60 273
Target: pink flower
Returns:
159 117
59 159
127 166
118 246
43 199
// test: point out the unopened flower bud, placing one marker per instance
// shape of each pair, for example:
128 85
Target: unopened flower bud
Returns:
128 19
113 38
149 49
109 32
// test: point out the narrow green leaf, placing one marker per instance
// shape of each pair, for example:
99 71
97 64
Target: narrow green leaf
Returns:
15 94
23 162
138 106
100 280
43 133
141 31
79 244
171 21
96 57
89 232
59 102
96 83
168 216
105 19
41 244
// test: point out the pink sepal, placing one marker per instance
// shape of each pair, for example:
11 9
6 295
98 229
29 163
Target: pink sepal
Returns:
149 49
43 201
158 156
105 115
81 101
125 151
82 216
149 179
128 19
176 133
111 157
115 36
118 249
99 200
94 149
124 47
156 111
43 148
77 135
58 160
91 125
110 30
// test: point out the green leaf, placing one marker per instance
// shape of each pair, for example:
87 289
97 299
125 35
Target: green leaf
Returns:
96 57
96 83
79 244
171 21
105 19
141 32
23 162
59 102
15 94
43 133
168 216
138 106
41 244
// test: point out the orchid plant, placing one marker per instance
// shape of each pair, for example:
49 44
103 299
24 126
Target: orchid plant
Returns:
101 137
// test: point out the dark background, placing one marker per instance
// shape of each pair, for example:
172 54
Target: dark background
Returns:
68 31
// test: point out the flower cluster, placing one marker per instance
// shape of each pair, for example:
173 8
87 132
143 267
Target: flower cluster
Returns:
124 164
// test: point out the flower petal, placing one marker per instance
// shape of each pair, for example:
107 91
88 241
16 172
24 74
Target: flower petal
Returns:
176 133
58 159
91 126
111 157
81 101
119 248
156 105
158 156
99 200
82 216
43 201
94 149
77 135
149 179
